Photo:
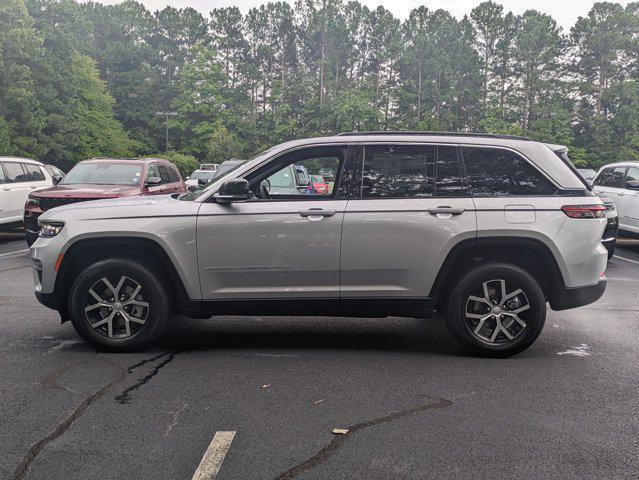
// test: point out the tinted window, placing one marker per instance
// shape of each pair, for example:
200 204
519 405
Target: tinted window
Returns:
614 178
396 171
633 174
34 172
174 174
449 180
15 173
494 171
602 177
164 174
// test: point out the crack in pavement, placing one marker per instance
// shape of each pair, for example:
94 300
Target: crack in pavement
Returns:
125 397
337 441
35 449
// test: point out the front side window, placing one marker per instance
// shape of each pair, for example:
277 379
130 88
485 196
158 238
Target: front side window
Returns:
498 172
614 178
3 177
103 173
398 171
152 171
15 173
292 178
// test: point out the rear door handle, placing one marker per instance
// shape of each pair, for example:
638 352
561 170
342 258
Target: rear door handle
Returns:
446 209
317 212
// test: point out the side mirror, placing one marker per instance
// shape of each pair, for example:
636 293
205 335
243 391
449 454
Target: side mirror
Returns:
153 182
202 181
56 179
632 184
590 182
234 190
187 177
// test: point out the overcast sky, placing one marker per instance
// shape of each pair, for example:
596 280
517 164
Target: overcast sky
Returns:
565 12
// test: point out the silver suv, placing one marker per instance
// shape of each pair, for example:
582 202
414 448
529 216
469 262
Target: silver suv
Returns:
484 229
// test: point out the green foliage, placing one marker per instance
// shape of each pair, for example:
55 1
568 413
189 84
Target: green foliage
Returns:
87 79
186 164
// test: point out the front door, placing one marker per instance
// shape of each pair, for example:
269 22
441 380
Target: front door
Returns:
15 191
412 210
283 243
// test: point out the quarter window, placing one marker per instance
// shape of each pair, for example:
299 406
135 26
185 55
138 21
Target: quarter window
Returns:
15 173
497 172
398 171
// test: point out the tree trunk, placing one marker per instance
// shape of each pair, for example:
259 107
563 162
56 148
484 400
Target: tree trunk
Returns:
600 89
419 93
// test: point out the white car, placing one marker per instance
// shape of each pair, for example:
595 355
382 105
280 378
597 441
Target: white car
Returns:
18 178
199 178
620 182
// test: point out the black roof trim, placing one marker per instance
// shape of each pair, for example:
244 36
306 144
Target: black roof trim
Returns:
442 134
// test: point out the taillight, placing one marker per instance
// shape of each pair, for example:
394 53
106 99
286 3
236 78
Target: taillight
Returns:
584 211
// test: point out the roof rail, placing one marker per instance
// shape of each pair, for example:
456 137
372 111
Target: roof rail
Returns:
443 134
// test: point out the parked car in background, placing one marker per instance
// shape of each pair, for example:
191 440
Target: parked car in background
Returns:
209 166
620 182
327 174
609 238
18 178
226 166
199 178
99 179
317 186
587 173
55 172
486 229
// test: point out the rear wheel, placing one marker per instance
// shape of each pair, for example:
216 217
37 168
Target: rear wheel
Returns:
496 310
118 305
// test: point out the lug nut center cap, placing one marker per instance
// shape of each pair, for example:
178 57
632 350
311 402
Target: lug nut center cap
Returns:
117 306
496 310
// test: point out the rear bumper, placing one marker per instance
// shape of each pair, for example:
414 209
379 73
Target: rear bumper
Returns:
565 297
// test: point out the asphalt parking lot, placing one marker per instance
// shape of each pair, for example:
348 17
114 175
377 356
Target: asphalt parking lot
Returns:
415 406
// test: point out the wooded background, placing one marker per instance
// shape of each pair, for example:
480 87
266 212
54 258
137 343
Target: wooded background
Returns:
86 80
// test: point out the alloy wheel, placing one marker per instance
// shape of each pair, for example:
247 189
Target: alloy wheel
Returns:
118 311
496 316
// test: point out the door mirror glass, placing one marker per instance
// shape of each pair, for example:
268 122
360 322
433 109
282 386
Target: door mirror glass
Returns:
233 190
56 178
153 182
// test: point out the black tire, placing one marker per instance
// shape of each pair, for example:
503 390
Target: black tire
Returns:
472 284
30 238
611 250
156 312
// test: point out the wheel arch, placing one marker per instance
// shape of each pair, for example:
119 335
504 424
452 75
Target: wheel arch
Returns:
86 251
530 254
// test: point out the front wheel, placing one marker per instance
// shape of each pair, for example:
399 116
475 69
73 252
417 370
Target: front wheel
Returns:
118 305
496 310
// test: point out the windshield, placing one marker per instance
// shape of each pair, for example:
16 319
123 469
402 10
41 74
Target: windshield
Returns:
206 175
94 173
221 172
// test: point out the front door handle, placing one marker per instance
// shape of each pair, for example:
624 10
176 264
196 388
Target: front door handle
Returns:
446 209
317 212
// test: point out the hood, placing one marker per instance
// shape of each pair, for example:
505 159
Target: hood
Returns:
160 205
87 191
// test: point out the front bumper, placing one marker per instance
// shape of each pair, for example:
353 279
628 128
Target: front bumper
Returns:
565 297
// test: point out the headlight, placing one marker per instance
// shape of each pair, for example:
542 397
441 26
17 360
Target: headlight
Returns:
48 230
33 201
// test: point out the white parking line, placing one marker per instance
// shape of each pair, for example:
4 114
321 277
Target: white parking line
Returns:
13 253
214 456
626 259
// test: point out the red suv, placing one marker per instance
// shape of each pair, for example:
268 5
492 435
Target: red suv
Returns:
101 178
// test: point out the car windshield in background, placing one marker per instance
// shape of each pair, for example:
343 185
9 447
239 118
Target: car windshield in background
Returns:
206 174
219 173
95 173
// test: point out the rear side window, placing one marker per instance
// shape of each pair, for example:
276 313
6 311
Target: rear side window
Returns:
15 173
612 177
398 171
164 174
34 172
497 172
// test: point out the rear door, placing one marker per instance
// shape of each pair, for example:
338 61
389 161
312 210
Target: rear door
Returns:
610 183
631 200
15 191
411 209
